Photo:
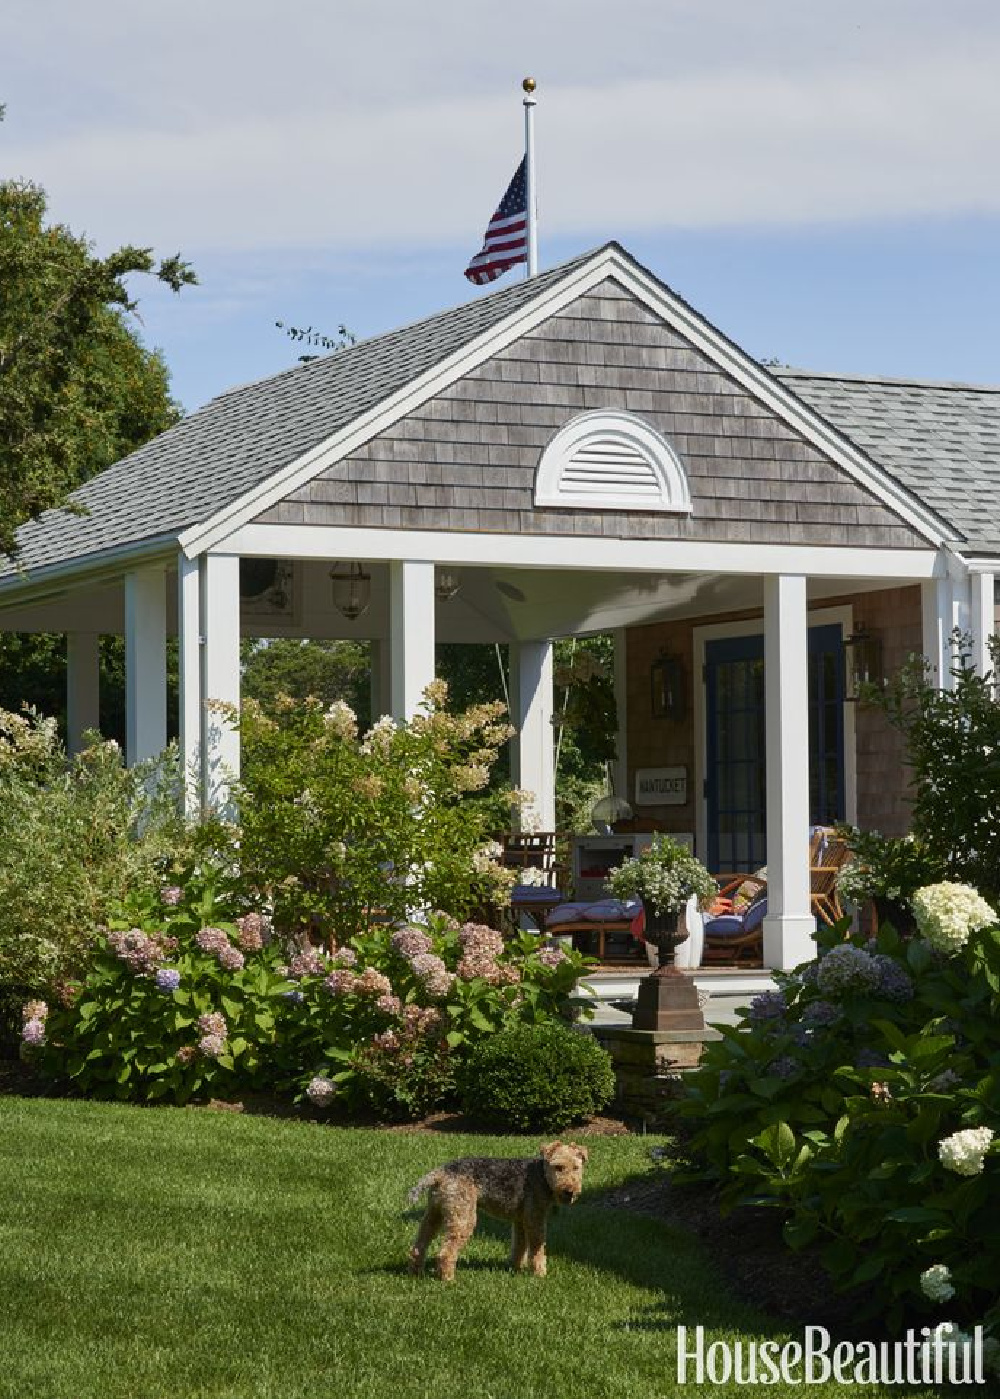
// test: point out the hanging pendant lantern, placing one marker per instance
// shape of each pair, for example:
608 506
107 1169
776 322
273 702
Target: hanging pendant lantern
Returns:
352 590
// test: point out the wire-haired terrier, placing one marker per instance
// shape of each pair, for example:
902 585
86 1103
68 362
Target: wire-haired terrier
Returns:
523 1191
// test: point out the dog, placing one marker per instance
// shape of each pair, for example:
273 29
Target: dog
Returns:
522 1190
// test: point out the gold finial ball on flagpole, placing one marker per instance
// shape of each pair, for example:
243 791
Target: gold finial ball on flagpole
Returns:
528 85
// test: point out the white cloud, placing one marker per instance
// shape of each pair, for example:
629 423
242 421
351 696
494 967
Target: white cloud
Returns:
259 126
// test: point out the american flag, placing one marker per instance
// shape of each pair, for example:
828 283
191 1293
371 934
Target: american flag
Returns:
506 239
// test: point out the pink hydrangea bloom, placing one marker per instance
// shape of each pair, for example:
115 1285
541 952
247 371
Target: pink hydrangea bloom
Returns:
251 930
389 1005
34 1010
230 959
33 1032
411 942
186 1053
552 956
373 983
387 1041
478 938
171 895
212 1046
212 940
311 963
340 983
213 1023
140 952
344 957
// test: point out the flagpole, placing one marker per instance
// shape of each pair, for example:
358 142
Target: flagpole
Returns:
529 172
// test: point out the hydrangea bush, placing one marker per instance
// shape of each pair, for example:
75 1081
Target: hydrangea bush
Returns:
188 998
861 1099
343 832
75 834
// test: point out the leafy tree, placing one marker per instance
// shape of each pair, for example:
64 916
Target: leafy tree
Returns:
328 670
78 389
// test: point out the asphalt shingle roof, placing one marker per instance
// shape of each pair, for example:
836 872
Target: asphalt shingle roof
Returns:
941 441
244 436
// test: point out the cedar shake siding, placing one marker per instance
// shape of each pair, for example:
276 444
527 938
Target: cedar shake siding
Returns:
466 459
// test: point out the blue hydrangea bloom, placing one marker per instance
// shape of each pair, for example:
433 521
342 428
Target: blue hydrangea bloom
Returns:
895 983
167 979
769 1005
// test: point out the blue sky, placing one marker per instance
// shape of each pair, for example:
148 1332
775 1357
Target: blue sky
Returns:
818 179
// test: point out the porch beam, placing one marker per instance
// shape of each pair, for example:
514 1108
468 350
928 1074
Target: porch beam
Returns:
145 664
220 626
565 552
533 749
789 925
411 634
83 686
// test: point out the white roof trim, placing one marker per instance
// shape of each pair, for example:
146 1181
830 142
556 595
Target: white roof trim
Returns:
609 262
609 460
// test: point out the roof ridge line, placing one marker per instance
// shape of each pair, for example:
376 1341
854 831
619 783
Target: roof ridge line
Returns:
893 381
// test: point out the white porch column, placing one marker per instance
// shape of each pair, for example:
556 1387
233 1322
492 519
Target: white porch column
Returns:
411 634
145 664
190 678
533 766
620 768
220 626
83 686
982 619
789 925
380 674
937 612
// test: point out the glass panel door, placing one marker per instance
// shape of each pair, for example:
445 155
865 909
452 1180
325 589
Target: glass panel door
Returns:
736 784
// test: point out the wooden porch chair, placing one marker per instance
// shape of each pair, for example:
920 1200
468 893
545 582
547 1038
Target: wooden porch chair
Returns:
823 874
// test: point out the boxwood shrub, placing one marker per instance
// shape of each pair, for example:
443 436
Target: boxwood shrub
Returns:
537 1078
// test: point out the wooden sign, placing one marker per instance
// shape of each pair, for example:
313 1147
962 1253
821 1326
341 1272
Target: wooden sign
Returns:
661 786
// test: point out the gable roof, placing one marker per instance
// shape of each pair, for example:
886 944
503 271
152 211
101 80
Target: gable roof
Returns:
246 434
246 440
940 440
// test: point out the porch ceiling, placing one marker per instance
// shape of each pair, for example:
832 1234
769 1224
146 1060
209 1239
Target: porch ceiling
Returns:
493 605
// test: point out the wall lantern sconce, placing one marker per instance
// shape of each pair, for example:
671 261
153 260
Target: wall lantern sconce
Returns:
447 583
862 662
666 679
352 590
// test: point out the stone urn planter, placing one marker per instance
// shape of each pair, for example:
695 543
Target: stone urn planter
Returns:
668 999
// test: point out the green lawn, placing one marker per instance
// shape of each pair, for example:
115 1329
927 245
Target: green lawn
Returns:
147 1253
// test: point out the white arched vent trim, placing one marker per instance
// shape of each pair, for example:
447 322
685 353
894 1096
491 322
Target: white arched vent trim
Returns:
611 461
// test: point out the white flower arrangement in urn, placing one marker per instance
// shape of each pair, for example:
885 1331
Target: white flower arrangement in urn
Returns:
664 876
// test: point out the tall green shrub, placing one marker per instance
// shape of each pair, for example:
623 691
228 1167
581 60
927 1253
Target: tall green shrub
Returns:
76 835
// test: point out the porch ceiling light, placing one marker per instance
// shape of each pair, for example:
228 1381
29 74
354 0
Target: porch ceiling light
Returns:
862 662
666 683
447 583
510 591
352 590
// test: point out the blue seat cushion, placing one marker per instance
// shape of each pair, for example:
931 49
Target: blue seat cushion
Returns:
735 925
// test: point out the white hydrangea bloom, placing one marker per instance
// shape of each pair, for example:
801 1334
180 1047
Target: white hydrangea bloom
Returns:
935 1283
946 914
964 1152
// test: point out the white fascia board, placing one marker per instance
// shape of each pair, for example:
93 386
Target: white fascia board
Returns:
56 580
573 552
651 293
406 400
979 563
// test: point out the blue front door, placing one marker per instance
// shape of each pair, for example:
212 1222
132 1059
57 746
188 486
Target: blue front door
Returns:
736 784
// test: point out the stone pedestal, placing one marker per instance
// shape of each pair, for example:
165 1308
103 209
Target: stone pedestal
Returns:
668 1000
650 1064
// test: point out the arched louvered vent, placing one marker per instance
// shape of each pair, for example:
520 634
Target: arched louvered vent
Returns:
611 461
